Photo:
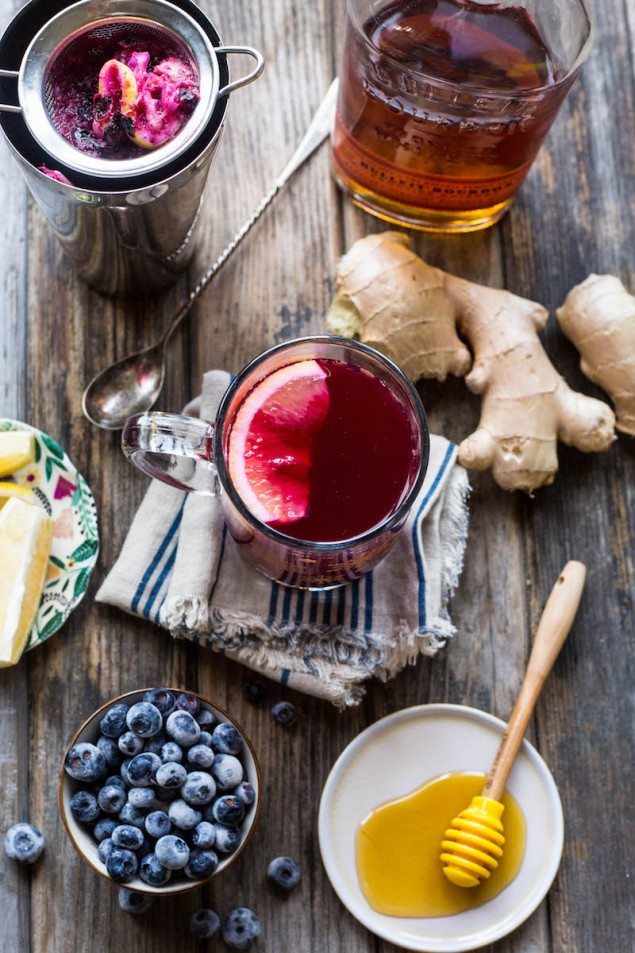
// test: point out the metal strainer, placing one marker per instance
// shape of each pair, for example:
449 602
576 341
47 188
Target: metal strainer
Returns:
108 20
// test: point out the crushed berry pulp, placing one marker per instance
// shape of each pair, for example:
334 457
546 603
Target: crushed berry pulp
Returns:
120 94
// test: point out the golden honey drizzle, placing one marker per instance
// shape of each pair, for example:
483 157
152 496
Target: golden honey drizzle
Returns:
399 843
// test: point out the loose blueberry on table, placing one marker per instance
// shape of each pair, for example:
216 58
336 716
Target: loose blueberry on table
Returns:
284 713
204 924
177 803
23 842
283 872
241 927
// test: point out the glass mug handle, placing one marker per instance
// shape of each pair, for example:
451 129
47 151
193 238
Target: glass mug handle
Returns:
173 448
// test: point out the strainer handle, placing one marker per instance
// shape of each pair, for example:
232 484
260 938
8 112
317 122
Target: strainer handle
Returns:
250 77
9 74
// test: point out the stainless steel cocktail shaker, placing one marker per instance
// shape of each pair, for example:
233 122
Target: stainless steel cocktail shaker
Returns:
128 225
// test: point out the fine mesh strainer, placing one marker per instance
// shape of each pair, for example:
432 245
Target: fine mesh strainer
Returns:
101 21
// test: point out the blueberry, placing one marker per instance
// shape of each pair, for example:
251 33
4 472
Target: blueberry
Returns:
228 810
200 755
129 744
85 762
125 835
104 828
172 852
227 838
204 924
105 849
161 698
204 835
110 751
144 799
143 768
158 824
255 690
245 792
144 719
23 842
284 873
121 865
123 770
183 728
226 739
113 722
199 788
116 780
227 771
284 713
154 745
188 703
153 872
202 863
111 798
183 816
132 815
132 902
205 738
171 775
206 718
240 928
170 751
84 806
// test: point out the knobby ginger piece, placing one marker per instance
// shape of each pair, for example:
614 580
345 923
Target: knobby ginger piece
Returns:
414 313
598 317
395 302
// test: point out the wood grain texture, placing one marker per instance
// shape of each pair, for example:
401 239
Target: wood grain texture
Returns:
574 215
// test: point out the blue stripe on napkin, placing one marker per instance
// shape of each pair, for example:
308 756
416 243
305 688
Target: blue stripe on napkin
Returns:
416 532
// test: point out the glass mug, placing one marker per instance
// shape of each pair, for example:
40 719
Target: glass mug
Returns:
194 455
443 104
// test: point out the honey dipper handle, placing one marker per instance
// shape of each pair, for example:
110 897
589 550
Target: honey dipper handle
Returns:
553 628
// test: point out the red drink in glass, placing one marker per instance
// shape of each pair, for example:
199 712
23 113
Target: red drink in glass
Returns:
320 447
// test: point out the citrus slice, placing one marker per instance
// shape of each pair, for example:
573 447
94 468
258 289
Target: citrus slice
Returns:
11 490
270 444
17 450
25 544
117 93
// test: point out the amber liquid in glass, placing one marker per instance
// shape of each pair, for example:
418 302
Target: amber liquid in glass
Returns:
442 108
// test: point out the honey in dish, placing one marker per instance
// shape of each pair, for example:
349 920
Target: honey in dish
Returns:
399 843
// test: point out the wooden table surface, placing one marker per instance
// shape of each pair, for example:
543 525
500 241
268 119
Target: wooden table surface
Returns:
574 215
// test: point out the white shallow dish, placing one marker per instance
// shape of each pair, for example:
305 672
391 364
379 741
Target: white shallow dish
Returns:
399 754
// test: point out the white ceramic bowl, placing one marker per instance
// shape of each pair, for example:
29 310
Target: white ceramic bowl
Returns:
397 755
85 844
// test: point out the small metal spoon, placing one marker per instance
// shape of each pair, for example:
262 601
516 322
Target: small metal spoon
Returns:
132 385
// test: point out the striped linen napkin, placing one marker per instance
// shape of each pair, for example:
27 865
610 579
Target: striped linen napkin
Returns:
180 569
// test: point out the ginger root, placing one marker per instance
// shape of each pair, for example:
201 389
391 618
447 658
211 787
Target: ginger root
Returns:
598 317
414 313
399 305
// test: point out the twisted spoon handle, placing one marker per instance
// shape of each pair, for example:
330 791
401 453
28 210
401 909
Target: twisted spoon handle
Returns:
317 132
553 628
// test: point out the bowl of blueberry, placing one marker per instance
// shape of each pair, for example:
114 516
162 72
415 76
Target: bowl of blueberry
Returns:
159 790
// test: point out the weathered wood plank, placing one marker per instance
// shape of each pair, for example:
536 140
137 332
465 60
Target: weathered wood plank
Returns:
14 724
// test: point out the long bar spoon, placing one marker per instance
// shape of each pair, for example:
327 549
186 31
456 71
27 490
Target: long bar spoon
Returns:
132 385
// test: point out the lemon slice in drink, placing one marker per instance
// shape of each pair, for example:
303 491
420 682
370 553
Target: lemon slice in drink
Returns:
271 441
25 544
17 450
15 490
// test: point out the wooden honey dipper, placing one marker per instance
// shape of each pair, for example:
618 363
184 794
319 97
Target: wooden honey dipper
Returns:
474 841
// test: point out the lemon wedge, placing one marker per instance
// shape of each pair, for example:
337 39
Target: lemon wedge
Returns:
17 450
9 490
25 544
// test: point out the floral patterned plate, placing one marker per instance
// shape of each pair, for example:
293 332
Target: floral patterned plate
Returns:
66 497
